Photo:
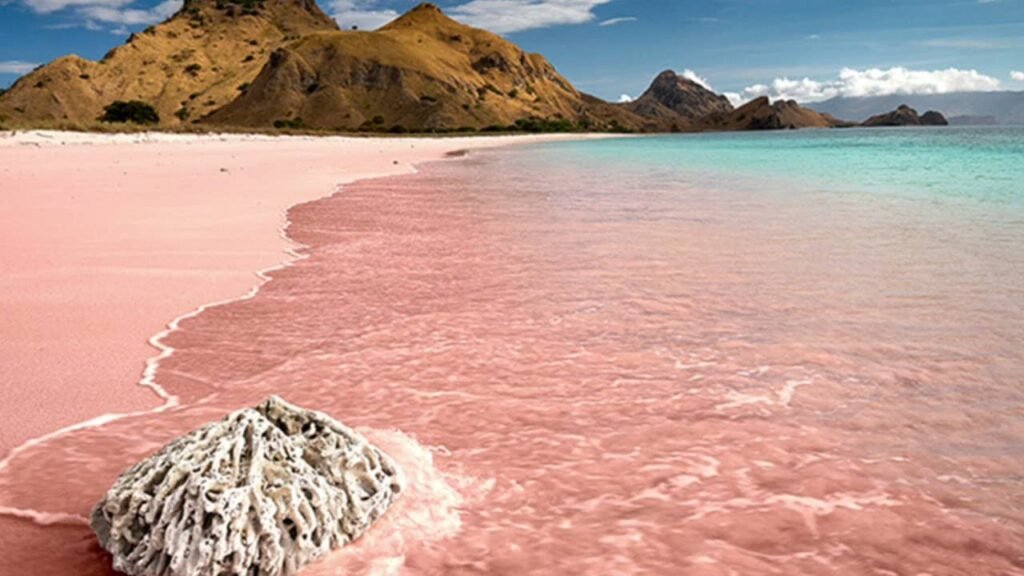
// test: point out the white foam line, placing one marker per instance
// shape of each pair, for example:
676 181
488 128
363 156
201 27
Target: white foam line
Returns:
44 518
148 379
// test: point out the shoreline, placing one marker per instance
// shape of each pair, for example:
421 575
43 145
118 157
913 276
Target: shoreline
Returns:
107 398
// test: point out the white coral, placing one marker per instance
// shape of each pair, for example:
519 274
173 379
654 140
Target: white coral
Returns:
261 493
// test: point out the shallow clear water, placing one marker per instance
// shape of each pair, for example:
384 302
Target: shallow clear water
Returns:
980 163
714 354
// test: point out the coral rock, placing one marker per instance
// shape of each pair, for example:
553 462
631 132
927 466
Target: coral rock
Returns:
261 493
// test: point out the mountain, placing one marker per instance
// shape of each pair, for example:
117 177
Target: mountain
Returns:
261 64
675 97
424 71
1005 107
906 116
190 65
762 114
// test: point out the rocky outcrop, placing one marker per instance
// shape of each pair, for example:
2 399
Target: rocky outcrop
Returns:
762 114
933 118
674 96
263 492
906 116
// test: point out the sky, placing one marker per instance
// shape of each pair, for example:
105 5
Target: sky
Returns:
809 50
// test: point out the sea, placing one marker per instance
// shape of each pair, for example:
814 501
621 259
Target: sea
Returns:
790 353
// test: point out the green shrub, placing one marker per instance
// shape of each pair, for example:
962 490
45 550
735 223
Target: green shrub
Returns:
3 91
193 69
513 93
397 129
243 87
378 120
133 111
534 124
292 124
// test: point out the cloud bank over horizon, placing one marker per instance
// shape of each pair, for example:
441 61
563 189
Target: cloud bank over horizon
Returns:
853 83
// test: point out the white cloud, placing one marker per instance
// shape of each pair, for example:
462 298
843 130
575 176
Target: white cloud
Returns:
130 16
361 13
16 67
117 15
694 77
1017 75
614 21
625 98
503 16
873 82
48 6
734 98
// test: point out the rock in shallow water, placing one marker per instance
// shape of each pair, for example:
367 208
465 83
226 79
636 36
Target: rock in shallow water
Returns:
261 493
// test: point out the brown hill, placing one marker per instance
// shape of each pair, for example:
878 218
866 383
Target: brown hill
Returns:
186 67
672 96
283 63
424 71
761 114
906 116
933 118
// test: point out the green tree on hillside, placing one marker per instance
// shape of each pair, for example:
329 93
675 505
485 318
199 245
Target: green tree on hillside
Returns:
133 111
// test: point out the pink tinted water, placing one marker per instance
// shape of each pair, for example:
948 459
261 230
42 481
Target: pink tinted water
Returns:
585 373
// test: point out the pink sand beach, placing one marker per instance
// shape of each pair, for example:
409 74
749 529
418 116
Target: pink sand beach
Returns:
108 239
582 363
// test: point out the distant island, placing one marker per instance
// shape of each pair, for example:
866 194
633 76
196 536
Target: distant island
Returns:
907 116
285 65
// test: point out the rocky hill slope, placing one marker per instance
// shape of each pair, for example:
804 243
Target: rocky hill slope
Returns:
424 71
676 98
762 114
192 64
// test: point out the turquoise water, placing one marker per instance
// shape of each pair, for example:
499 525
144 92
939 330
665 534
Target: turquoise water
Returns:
985 164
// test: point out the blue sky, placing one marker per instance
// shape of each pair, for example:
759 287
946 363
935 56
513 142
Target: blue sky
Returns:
808 49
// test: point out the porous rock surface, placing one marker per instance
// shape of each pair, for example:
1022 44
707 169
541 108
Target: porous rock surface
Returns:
261 493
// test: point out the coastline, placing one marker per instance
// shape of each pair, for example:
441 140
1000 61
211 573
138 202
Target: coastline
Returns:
119 267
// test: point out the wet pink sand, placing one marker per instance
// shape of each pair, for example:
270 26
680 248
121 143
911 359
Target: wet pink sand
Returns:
580 376
106 241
